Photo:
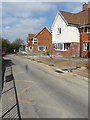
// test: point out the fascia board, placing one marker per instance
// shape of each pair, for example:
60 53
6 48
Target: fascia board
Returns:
56 19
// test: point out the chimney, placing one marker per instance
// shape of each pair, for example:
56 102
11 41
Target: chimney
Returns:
85 6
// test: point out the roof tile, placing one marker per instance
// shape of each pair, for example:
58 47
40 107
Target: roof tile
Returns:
81 18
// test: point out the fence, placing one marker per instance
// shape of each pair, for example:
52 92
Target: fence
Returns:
72 60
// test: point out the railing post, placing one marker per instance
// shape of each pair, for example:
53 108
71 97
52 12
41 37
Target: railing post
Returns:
69 65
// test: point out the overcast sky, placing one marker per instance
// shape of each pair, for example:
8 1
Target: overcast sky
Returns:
21 18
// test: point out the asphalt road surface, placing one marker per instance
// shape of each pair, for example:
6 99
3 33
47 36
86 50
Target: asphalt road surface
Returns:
44 93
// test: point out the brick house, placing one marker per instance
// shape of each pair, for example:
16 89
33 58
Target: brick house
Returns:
71 32
40 42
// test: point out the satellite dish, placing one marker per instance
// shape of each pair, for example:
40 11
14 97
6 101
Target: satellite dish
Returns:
89 4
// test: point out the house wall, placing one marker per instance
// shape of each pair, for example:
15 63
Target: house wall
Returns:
68 33
74 50
44 39
84 38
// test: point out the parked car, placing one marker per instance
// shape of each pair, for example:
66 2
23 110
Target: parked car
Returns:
3 53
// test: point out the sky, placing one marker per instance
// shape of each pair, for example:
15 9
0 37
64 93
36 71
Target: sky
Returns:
22 18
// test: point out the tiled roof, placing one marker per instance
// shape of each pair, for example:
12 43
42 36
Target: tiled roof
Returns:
81 18
30 36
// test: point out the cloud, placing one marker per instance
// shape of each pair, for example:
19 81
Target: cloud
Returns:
74 7
23 28
26 9
21 18
9 20
7 27
0 13
33 22
45 0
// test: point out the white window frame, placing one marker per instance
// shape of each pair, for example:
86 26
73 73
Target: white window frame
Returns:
43 47
59 31
87 29
57 45
85 46
35 41
30 49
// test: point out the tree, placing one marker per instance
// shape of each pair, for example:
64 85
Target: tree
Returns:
11 47
6 45
19 41
17 44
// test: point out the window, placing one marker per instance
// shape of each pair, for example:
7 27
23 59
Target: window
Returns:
59 30
41 48
51 31
88 46
84 46
35 40
88 30
60 47
30 48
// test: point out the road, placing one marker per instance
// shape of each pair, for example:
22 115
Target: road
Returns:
44 93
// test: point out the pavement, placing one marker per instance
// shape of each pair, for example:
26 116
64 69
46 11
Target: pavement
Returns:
77 59
10 109
40 91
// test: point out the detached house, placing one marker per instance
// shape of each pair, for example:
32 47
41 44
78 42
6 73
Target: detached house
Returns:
40 42
72 32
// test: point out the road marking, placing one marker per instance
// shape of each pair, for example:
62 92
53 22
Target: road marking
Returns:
25 101
63 112
25 89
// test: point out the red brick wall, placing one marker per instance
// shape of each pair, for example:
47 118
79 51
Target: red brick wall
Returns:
44 39
74 49
84 37
30 43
